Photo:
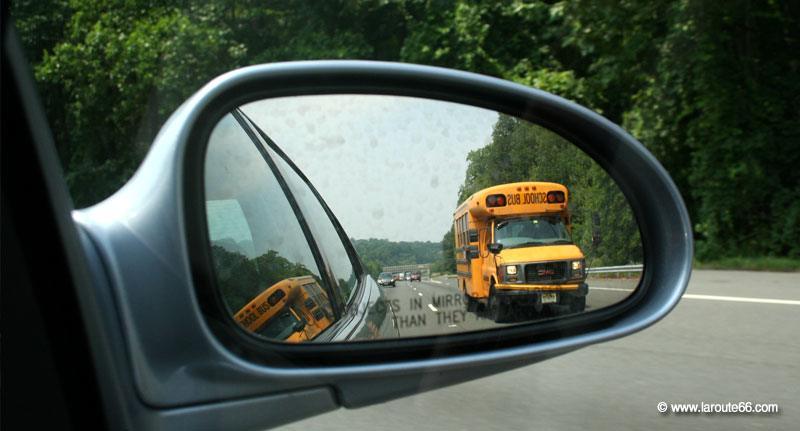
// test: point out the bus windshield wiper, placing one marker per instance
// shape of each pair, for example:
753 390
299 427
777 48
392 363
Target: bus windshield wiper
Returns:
528 244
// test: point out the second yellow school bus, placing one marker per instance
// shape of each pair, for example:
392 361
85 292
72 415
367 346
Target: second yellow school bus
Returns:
514 247
293 310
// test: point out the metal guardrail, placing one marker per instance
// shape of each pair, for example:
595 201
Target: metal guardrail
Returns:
619 268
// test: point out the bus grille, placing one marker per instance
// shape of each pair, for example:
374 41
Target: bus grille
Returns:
546 272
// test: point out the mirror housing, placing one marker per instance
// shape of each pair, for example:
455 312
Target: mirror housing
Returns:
494 247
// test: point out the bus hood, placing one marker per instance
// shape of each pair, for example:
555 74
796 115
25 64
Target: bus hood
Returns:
539 254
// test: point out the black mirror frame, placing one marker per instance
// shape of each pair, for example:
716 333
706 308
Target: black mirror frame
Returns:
658 207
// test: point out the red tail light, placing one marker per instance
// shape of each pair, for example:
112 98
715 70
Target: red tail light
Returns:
555 197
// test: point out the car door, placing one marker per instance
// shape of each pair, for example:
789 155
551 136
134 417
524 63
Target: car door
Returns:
47 331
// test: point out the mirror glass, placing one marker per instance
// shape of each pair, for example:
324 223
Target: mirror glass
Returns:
354 217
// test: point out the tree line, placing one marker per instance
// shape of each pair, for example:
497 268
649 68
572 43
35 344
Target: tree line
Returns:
711 88
376 253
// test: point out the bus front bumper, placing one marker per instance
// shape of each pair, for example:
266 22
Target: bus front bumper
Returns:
538 294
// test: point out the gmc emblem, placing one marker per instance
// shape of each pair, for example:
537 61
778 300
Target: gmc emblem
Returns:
546 272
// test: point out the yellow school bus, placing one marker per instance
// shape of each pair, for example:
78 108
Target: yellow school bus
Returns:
294 310
514 247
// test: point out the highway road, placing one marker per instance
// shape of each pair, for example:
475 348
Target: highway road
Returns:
435 307
733 337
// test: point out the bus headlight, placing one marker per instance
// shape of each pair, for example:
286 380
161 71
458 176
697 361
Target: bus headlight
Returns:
577 268
509 274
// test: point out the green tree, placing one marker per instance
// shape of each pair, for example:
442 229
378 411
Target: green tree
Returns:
711 89
378 253
111 71
720 111
447 263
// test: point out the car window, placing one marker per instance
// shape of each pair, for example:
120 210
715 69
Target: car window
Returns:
256 240
330 243
227 226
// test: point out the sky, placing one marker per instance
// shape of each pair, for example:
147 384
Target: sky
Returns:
388 166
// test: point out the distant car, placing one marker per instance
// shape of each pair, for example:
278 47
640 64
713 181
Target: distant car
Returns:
385 279
407 276
416 276
397 276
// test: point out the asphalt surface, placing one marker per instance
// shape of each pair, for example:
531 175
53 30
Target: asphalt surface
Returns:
436 307
733 337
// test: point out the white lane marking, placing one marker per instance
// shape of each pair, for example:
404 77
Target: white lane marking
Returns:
419 293
432 308
718 298
742 299
615 289
452 326
436 281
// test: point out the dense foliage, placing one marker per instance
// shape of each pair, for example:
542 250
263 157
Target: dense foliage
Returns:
710 87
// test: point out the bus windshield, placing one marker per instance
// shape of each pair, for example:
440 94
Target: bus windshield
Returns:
531 231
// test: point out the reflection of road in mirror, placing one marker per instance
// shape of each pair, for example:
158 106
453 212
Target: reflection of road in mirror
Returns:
432 307
435 306
513 218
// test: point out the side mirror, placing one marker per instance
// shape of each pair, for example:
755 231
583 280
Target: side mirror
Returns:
177 232
494 247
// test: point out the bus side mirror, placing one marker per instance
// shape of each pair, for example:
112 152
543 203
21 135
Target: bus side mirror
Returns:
494 247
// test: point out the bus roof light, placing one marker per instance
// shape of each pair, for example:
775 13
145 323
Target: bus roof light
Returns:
496 201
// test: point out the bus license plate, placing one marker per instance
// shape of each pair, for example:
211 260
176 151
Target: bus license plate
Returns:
549 298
